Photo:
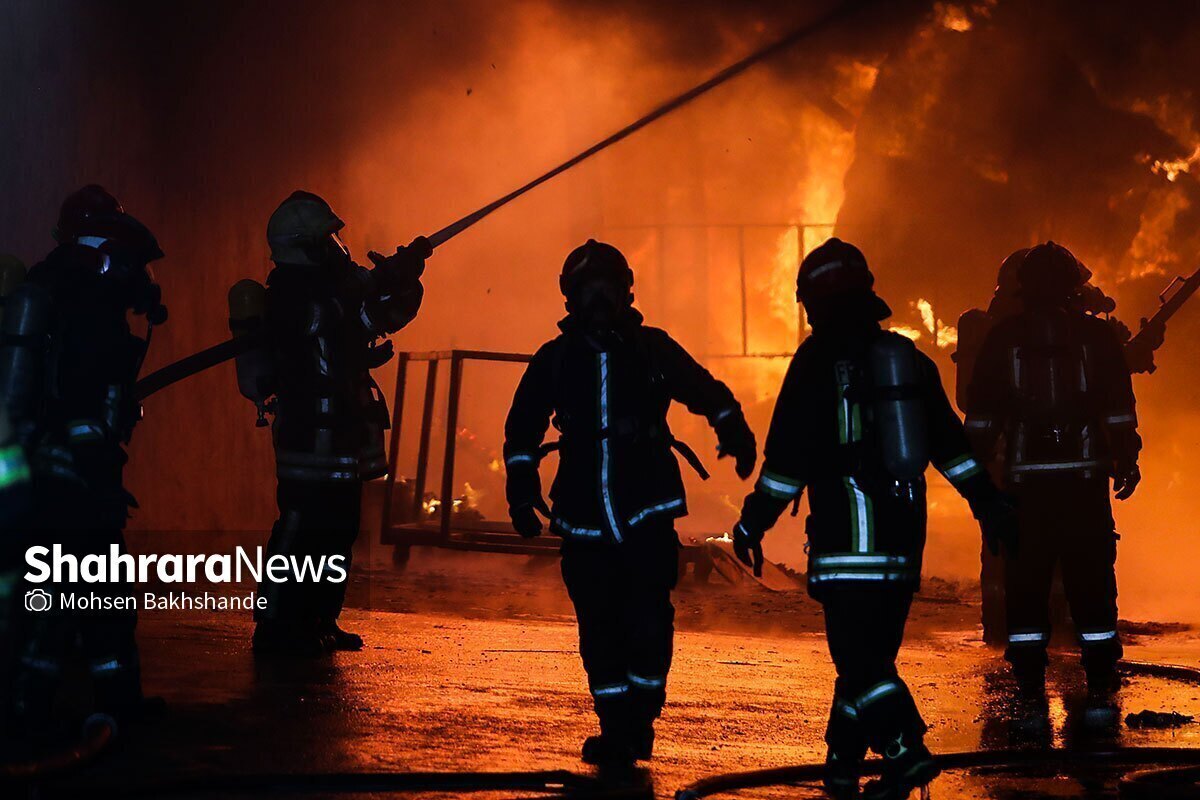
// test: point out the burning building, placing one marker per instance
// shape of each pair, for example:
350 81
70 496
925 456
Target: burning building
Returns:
939 136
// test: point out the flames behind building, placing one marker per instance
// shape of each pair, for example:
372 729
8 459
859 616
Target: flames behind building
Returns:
938 136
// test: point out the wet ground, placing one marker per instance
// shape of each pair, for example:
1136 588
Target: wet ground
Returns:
471 665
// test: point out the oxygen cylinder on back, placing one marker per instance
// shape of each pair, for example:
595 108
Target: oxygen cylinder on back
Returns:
25 328
899 413
12 275
255 370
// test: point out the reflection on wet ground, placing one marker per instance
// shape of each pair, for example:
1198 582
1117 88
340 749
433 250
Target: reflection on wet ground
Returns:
436 691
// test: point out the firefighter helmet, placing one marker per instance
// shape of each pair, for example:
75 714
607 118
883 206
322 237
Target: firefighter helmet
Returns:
301 228
836 272
594 260
1049 273
93 217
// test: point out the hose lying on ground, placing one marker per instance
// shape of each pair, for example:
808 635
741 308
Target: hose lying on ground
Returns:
1132 756
98 733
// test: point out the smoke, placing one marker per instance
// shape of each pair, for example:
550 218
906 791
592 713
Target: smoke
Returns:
937 136
1000 124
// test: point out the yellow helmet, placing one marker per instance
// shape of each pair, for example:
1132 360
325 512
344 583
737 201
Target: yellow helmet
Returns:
12 273
302 228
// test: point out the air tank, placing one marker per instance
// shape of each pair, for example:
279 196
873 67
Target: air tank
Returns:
255 373
899 410
25 326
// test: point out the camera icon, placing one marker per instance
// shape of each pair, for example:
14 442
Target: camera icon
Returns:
38 600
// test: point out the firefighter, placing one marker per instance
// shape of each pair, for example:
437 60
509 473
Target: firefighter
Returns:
1052 386
860 415
608 381
68 364
324 316
973 328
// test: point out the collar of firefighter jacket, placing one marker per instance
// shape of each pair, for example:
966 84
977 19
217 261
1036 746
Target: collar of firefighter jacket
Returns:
631 320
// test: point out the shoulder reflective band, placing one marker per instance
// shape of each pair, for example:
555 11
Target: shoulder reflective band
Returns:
519 458
642 682
862 523
605 490
1097 636
1121 419
779 486
1054 466
977 423
645 512
13 467
111 665
877 692
1028 637
610 690
960 469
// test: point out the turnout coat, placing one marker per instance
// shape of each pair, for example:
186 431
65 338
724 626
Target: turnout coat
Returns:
608 400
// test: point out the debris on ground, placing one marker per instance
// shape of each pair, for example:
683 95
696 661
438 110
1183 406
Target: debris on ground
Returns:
1158 719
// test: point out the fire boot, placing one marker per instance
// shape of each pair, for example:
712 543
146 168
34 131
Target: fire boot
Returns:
847 748
277 637
842 773
907 765
1030 675
647 696
613 747
337 638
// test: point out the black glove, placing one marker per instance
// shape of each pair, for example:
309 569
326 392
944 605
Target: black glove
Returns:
1126 479
403 268
526 520
748 548
997 516
379 354
734 438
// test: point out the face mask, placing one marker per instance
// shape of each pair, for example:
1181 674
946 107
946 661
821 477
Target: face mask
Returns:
599 305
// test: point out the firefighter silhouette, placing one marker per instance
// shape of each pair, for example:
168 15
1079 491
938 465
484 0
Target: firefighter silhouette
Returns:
861 414
1051 399
68 365
973 328
323 316
608 381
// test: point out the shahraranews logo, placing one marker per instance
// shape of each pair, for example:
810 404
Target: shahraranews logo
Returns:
52 564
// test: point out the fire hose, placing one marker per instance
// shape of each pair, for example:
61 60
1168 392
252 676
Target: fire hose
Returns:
1135 787
219 353
547 784
99 731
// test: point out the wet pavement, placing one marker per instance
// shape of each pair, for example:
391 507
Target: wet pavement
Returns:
484 676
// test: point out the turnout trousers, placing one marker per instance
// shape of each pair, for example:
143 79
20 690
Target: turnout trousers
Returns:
864 626
622 598
1065 521
315 519
51 642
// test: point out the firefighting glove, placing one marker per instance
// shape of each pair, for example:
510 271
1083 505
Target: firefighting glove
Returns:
403 268
525 519
734 438
379 354
1126 479
747 547
997 515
